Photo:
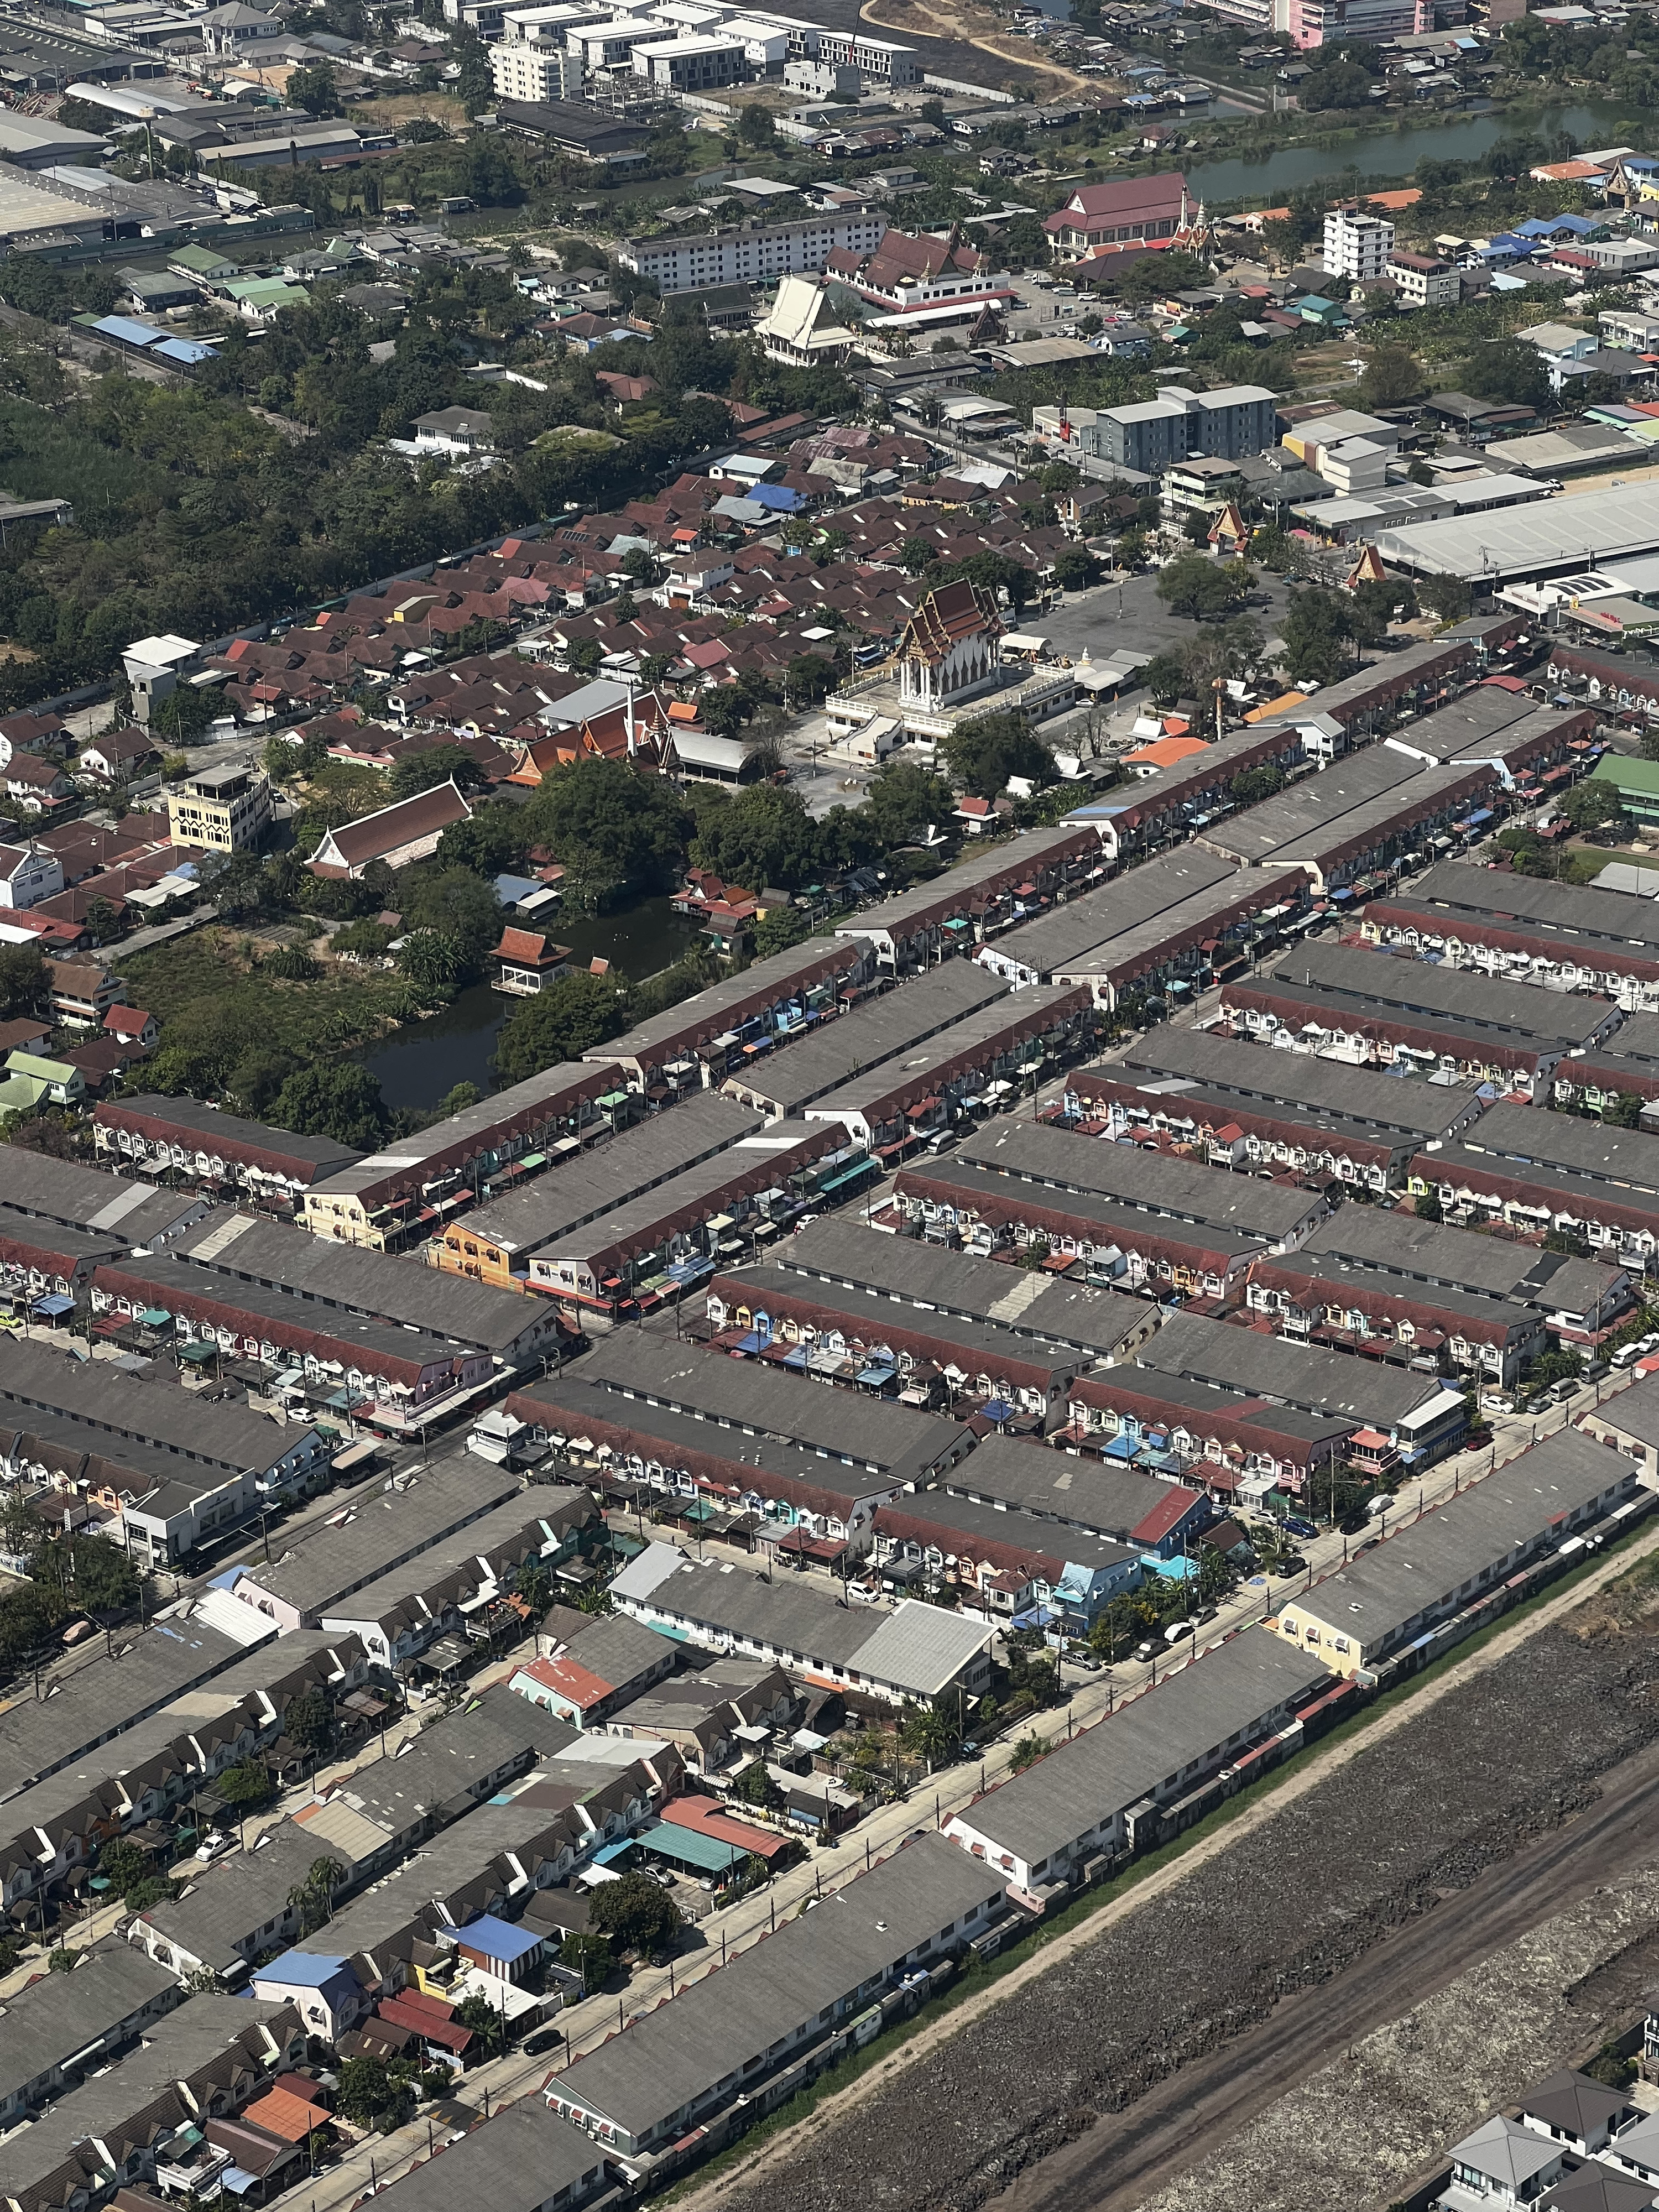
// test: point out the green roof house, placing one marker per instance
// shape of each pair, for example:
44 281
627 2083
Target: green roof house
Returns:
1636 782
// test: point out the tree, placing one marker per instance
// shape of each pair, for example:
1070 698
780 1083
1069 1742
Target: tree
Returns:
478 2014
635 1914
309 1720
104 1578
1315 632
370 2095
561 1023
1255 784
588 1956
22 980
1446 598
342 1102
123 1866
1375 607
184 716
1195 586
755 129
1075 568
926 1732
809 679
758 837
1595 804
424 771
313 1900
1427 1207
905 798
1507 370
1392 378
314 88
1028 1751
1624 1112
1165 676
983 752
779 927
755 1786
246 1786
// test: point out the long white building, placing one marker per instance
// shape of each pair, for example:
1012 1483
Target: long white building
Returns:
752 44
750 253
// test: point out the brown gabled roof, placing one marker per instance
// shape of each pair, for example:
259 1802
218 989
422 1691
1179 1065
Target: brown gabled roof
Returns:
359 842
945 618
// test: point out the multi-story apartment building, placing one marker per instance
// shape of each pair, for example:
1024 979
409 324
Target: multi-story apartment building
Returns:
1153 435
1357 244
1425 281
522 69
226 809
750 253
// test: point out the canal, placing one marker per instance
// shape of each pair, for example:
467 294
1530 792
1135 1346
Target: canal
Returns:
421 1063
1396 152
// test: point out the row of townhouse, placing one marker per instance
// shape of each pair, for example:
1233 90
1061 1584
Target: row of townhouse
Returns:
1565 1175
58 1824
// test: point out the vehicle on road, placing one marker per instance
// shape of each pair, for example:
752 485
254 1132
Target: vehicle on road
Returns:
1177 1629
1305 1530
549 2039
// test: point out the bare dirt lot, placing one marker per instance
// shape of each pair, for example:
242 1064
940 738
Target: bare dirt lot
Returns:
1510 1773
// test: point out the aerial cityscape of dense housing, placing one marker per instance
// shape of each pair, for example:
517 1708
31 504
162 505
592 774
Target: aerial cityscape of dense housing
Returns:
830 1105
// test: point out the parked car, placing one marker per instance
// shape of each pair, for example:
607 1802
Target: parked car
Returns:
1177 1629
1290 1567
1305 1530
1353 1525
1497 1401
214 1847
549 2039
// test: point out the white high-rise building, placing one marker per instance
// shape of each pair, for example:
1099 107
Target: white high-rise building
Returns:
520 70
1357 245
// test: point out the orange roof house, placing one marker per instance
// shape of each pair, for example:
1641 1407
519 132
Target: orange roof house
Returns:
1162 752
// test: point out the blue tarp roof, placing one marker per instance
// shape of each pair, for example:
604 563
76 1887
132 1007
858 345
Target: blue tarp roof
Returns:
498 1939
304 1970
128 331
776 495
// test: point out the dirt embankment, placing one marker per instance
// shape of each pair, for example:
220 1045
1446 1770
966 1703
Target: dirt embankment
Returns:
959 23
1410 1821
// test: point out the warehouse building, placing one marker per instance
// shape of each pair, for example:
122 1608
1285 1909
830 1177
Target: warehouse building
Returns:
955 1204
410 1190
1105 1791
1431 1114
982 1060
1410 1419
662 2089
918 1653
710 1036
897 1023
1182 1190
1456 1554
182 1136
1099 1326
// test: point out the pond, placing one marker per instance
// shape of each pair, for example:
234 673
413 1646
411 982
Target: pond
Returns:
1396 152
422 1062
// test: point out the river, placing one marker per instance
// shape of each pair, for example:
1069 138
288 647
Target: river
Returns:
422 1062
1397 151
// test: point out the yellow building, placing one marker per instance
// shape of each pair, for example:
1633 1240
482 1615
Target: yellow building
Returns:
226 809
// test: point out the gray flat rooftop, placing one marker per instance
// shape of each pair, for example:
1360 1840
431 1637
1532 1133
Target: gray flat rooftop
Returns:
1486 722
980 1038
1046 946
969 1343
86 1197
1636 1411
894 1024
111 1403
1433 1253
1310 810
959 1184
1177 1396
195 1119
1042 1542
1432 1557
387 1528
1385 979
959 887
318 1273
640 1225
1201 1106
67 2016
1570 1144
1637 1035
1313 1008
1253 1365
1184 1190
1144 1746
1053 1485
636 1161
1041 1309
1579 1196
101 1697
530 1519
1395 1105
752 1398
760 984
1613 917
516 2162
576 1409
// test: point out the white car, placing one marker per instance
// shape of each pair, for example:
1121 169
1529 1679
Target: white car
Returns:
214 1847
